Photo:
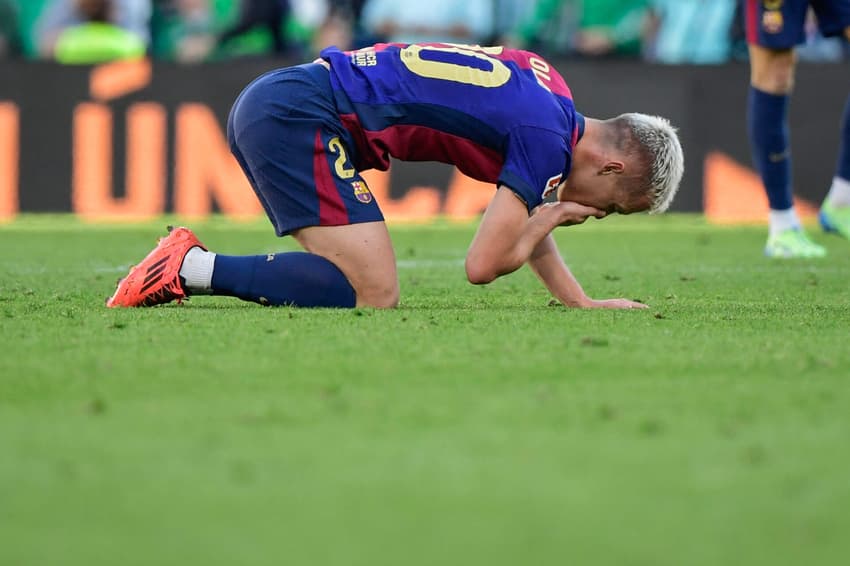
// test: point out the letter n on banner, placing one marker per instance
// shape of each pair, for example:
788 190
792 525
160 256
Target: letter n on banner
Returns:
9 155
205 169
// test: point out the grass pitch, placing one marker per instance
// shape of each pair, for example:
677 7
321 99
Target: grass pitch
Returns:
473 425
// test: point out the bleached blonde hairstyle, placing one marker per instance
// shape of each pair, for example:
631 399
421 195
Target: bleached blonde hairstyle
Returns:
656 145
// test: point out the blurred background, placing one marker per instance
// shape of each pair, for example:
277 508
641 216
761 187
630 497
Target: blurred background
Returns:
193 31
80 133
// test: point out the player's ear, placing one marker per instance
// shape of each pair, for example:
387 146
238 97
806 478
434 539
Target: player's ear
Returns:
612 167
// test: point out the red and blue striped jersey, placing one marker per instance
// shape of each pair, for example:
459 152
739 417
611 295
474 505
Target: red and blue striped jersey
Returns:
500 115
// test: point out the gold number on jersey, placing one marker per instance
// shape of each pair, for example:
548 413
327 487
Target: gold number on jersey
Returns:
498 75
338 149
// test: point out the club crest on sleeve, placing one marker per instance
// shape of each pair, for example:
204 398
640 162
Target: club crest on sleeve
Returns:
772 21
361 192
552 184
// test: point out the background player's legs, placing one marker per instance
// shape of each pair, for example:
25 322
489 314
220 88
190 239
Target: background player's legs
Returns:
771 82
835 211
345 266
839 194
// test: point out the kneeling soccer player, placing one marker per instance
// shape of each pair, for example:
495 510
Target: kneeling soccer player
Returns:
302 135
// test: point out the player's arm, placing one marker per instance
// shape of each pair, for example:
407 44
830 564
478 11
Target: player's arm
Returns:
549 266
507 236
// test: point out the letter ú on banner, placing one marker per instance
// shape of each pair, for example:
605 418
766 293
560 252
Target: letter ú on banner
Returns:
92 197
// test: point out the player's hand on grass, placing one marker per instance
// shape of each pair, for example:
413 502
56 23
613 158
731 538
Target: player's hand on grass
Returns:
570 213
614 304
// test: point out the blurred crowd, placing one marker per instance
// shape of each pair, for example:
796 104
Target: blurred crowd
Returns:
190 31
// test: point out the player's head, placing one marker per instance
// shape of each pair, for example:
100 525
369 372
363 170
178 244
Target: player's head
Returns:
630 163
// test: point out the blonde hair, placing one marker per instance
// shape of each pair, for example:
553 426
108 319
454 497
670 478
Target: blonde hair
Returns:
657 146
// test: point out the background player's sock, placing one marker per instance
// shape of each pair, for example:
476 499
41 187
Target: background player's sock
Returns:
294 278
196 271
839 193
781 220
769 140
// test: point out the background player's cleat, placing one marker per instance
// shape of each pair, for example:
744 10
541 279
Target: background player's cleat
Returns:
835 219
156 280
793 243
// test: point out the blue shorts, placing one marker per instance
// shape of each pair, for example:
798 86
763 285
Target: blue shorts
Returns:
287 136
780 24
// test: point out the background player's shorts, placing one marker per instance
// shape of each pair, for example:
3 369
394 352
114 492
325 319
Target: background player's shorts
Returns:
285 132
780 24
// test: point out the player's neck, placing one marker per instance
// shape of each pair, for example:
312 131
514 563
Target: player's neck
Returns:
591 144
593 129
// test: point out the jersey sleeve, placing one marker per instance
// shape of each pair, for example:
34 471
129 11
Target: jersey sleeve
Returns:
536 162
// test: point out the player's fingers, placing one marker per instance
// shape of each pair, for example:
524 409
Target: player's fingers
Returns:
572 219
578 208
578 213
622 304
627 304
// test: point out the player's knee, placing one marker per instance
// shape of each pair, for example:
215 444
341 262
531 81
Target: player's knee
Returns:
379 297
781 81
478 272
774 73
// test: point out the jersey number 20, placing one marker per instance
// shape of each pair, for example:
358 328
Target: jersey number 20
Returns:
467 64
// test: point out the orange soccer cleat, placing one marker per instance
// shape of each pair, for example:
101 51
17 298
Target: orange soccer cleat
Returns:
156 280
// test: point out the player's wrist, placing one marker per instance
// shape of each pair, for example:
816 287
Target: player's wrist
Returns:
582 302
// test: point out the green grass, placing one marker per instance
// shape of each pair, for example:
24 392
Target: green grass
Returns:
473 425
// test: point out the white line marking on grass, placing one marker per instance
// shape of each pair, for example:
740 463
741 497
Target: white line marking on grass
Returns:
425 263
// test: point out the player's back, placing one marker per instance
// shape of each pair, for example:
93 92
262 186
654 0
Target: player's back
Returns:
458 104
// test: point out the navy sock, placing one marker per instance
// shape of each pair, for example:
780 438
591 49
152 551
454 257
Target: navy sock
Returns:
295 278
769 140
843 168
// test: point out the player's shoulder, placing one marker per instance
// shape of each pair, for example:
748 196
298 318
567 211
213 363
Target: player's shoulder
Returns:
521 53
521 56
545 72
